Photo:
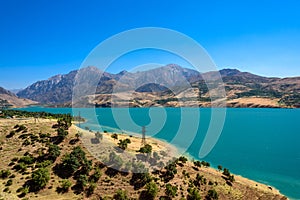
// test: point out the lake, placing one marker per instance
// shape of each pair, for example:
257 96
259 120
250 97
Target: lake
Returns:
260 144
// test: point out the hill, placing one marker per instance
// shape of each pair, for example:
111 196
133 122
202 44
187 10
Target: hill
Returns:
166 86
9 99
46 159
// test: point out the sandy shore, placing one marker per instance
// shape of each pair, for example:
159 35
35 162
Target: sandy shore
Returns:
107 144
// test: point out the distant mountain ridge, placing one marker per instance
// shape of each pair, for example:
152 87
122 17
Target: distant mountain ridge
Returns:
164 85
9 99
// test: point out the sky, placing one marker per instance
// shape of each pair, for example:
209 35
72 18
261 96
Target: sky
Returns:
42 38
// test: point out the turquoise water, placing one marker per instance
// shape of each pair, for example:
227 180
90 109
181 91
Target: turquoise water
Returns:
260 144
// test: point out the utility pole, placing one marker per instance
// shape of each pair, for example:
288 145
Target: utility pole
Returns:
143 135
79 118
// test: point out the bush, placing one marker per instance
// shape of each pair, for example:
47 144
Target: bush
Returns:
65 185
197 163
43 164
53 152
183 159
171 191
193 194
146 149
9 182
29 159
114 136
91 189
4 174
20 167
151 190
40 178
212 194
95 176
121 195
11 134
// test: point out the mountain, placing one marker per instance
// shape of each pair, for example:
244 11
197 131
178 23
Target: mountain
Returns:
56 89
169 85
9 99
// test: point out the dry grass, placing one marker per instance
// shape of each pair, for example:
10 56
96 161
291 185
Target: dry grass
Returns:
242 188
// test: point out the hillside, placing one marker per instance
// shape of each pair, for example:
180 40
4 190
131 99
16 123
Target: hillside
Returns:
45 159
9 99
170 85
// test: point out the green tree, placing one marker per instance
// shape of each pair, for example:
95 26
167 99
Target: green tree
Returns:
193 194
114 136
146 149
95 176
171 191
121 195
65 184
220 167
197 163
151 190
82 180
124 143
183 159
40 178
90 190
53 152
226 172
212 194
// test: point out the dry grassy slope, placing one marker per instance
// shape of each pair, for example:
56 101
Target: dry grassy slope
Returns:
242 188
16 101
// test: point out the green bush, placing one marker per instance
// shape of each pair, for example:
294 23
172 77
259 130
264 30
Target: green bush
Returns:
65 184
40 178
171 191
4 174
212 194
20 167
9 182
193 194
29 159
151 190
121 195
43 164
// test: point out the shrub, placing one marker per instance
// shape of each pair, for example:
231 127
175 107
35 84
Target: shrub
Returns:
4 174
40 178
212 194
82 180
146 149
114 136
44 164
220 167
183 159
20 167
95 176
171 191
193 194
9 182
121 195
53 152
65 185
91 189
29 159
197 163
151 190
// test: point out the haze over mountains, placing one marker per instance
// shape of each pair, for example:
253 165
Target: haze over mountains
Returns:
170 85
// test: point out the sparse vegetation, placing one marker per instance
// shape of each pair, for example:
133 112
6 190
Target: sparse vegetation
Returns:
31 171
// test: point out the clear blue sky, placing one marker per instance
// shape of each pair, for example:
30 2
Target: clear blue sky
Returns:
41 38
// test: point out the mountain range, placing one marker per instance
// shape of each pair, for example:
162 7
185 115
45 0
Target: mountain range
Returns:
9 99
170 85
